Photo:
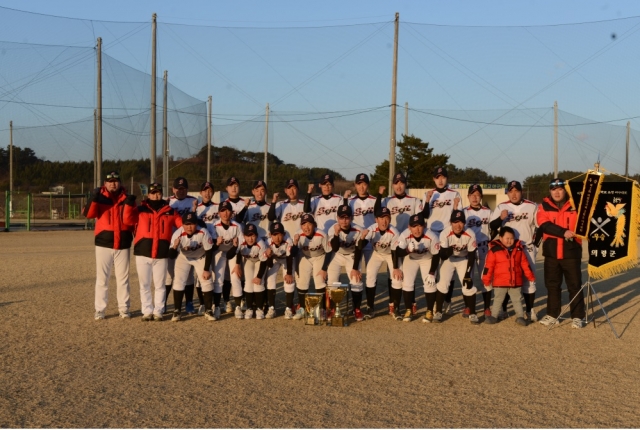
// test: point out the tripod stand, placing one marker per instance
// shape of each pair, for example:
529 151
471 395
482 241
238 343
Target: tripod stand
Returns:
590 291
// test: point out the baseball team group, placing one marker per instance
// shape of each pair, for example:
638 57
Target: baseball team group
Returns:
231 253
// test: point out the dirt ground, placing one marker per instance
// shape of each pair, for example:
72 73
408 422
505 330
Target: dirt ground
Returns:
60 368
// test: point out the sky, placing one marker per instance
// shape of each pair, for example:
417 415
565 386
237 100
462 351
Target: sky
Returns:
464 68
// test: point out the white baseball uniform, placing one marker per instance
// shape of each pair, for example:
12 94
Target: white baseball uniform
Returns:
315 250
192 250
257 215
182 207
289 213
461 245
325 210
478 222
344 256
208 212
363 215
441 205
382 243
401 209
238 205
281 259
420 252
252 256
221 260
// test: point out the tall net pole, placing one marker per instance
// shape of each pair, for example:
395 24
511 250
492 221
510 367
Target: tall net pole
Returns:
209 127
626 160
394 88
152 122
266 142
95 148
99 116
10 208
165 133
555 139
406 118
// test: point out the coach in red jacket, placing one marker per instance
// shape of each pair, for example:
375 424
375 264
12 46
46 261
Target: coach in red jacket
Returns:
114 212
562 252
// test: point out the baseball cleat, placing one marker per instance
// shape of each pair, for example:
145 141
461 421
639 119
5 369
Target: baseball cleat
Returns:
392 311
299 314
229 308
125 315
533 315
428 317
147 317
238 313
466 312
487 312
248 314
396 315
209 315
407 316
201 310
271 313
370 314
99 315
259 314
189 308
358 314
473 318
157 317
437 317
177 316
288 314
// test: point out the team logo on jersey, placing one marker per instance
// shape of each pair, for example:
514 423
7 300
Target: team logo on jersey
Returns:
362 212
292 217
326 211
440 204
258 217
381 245
516 218
400 210
345 244
208 217
477 222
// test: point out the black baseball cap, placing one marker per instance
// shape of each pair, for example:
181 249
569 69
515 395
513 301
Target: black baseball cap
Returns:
416 219
189 218
276 227
556 183
205 185
473 188
326 178
292 183
232 180
259 183
344 210
156 186
180 182
250 229
225 206
362 177
514 184
457 215
399 177
307 218
440 171
383 211
112 176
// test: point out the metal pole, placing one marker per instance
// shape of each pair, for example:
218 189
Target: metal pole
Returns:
29 207
626 160
555 139
406 118
95 147
131 189
7 218
99 113
165 131
10 205
394 87
152 122
266 143
209 127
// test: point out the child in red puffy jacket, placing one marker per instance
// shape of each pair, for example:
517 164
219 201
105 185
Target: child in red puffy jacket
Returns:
504 269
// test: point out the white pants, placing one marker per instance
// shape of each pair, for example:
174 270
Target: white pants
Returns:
476 273
410 268
272 275
451 265
106 258
152 269
251 271
171 273
308 268
337 263
530 251
183 272
373 267
220 265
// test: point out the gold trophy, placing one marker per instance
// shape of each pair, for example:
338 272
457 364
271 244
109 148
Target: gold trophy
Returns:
311 305
337 294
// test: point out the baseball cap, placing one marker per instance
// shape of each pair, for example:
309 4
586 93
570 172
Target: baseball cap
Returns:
457 215
112 176
276 227
205 185
326 178
556 183
250 229
383 212
440 171
399 177
344 210
514 184
307 218
225 206
362 177
416 219
189 218
156 186
180 182
232 180
473 188
259 183
292 183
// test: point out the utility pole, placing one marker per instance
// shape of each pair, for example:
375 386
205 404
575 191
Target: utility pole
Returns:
152 132
394 88
555 139
10 208
266 143
95 149
406 118
165 133
99 117
626 160
209 127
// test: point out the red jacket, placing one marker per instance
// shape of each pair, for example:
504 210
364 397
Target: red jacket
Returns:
114 219
554 222
154 230
504 269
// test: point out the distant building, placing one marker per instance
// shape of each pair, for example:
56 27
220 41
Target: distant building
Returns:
58 189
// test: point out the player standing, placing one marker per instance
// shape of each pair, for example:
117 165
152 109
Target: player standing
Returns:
279 256
258 209
251 256
289 211
325 206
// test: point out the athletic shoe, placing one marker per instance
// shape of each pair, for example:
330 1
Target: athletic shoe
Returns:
248 314
209 315
189 308
414 309
299 314
547 320
229 308
392 310
428 317
176 316
288 314
359 316
157 317
201 310
407 316
521 321
576 323
125 315
533 316
238 313
243 305
490 320
259 314
502 315
370 314
474 319
437 317
271 313
446 308
216 313
466 312
99 315
147 317
396 315
487 313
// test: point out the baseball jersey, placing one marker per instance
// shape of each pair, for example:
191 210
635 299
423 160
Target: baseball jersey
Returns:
193 247
462 245
237 206
182 206
283 250
325 210
289 213
254 252
208 212
441 205
383 242
362 209
401 210
521 218
425 246
348 240
478 222
313 246
257 215
229 233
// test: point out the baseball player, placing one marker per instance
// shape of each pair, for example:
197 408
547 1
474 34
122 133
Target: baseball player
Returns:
289 211
519 214
478 217
420 248
207 212
258 209
325 206
114 212
156 221
251 253
239 208
383 238
362 204
192 247
314 261
346 243
458 252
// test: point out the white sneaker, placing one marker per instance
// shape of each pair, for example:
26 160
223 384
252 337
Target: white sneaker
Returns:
216 313
209 315
99 315
547 320
201 310
473 318
177 316
248 314
157 317
446 308
533 316
576 323
238 313
437 317
125 315
229 308
243 305
288 314
272 313
299 314
259 314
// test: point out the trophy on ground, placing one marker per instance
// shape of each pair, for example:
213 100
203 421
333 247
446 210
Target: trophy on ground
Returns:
336 293
312 308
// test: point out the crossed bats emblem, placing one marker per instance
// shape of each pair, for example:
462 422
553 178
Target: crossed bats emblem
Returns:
600 224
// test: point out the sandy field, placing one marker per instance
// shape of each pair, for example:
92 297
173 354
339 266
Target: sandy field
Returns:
60 368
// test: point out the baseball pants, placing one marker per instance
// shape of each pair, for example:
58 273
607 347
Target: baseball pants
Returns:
106 259
335 267
220 265
171 273
308 268
251 271
272 275
447 270
152 270
410 269
373 267
183 272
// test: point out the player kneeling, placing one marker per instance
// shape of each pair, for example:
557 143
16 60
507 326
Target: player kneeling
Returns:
193 247
279 255
251 253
